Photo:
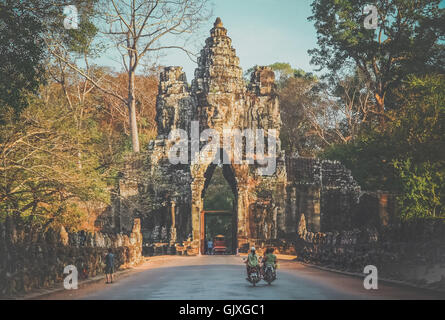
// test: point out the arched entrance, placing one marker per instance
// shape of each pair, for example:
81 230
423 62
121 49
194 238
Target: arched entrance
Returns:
202 174
219 214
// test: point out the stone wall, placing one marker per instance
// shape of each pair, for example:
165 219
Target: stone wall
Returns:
324 191
412 252
31 260
377 209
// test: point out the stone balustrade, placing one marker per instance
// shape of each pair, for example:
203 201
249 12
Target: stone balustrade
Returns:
31 260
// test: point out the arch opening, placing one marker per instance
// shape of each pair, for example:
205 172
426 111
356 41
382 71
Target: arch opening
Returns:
219 215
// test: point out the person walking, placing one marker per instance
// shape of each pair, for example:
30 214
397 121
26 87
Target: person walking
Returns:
109 266
210 246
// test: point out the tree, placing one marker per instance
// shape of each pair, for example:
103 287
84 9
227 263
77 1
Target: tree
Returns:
406 158
422 189
24 25
75 88
407 41
356 102
297 96
21 52
138 28
115 114
316 113
345 111
283 71
50 145
420 162
219 195
41 181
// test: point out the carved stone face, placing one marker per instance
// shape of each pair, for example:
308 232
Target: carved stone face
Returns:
166 121
262 118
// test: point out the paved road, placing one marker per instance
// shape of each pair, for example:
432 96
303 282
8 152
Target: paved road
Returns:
223 277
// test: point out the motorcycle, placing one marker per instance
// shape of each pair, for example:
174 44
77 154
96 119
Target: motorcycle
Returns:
270 274
254 276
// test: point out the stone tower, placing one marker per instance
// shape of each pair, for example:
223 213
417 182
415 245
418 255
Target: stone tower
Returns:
218 99
218 85
267 206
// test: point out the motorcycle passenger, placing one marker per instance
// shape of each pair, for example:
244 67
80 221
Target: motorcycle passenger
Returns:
252 262
269 259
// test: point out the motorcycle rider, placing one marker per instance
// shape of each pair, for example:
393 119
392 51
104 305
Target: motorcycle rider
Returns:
251 262
269 259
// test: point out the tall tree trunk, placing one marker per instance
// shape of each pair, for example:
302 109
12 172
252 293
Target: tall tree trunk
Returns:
380 99
132 108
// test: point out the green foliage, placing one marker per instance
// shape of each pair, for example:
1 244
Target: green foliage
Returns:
406 33
419 121
421 127
423 189
296 92
369 158
400 67
24 27
408 40
21 52
219 194
80 40
49 164
409 156
283 71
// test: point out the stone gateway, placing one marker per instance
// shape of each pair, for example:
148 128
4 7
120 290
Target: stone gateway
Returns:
267 208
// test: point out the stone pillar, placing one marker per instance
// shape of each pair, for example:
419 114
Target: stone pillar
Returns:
293 198
196 210
173 226
197 206
280 218
291 216
243 214
313 209
275 224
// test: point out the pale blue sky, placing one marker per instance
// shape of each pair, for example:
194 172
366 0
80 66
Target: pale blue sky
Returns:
262 32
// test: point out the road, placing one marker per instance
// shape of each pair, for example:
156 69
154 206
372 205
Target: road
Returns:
223 278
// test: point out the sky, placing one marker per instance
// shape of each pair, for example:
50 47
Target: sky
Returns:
262 32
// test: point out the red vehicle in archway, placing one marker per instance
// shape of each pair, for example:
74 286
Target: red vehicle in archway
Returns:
219 245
